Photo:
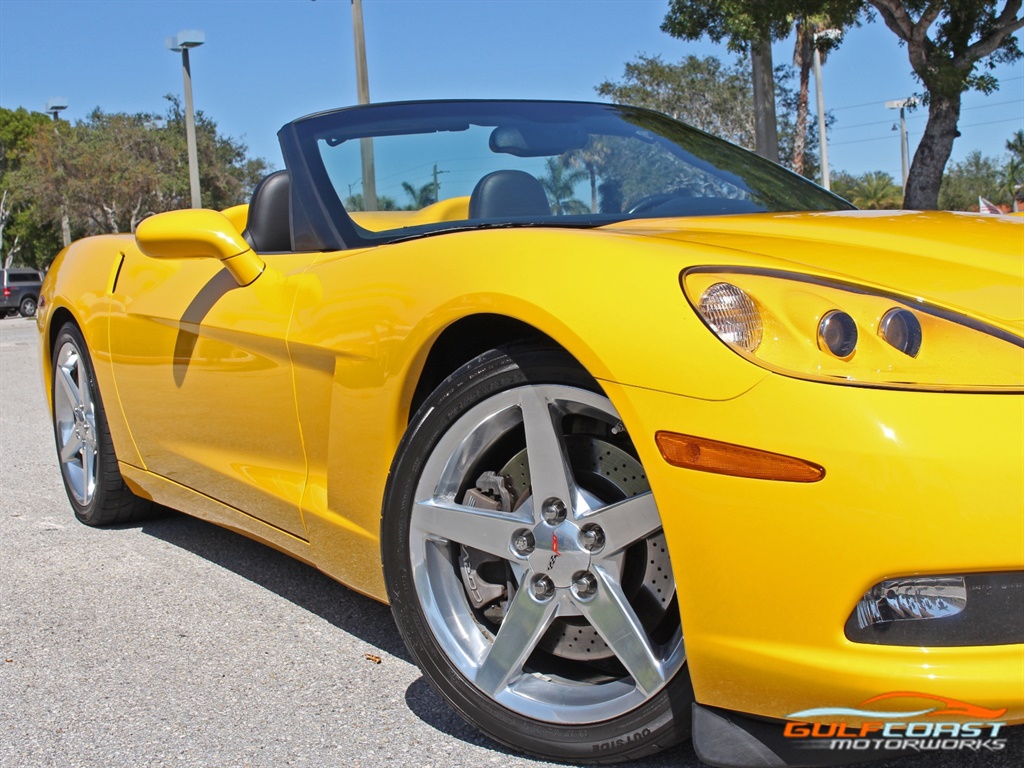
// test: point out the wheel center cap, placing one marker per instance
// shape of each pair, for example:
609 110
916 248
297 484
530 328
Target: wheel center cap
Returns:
559 555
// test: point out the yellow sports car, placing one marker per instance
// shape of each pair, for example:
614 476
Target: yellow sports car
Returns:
636 432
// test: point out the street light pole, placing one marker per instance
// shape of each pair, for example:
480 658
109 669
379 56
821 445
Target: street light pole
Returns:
363 91
830 35
901 105
826 180
190 38
53 108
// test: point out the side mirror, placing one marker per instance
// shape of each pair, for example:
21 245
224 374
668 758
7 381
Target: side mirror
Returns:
199 234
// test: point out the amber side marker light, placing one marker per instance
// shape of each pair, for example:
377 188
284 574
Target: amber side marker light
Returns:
728 459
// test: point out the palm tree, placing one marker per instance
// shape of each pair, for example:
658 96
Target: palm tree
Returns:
1013 173
807 30
355 203
560 184
875 191
421 197
591 158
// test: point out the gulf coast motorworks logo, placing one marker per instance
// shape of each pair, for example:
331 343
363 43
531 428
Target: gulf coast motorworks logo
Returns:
881 723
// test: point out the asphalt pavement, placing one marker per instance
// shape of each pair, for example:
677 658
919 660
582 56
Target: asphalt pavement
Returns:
177 643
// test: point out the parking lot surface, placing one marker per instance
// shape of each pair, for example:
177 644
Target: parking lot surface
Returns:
177 643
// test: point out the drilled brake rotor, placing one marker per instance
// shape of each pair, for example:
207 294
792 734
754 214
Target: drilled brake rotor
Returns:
609 474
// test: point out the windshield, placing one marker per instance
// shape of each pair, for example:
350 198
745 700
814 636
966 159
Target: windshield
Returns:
399 170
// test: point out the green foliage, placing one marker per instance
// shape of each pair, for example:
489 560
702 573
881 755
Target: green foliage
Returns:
16 127
708 95
961 34
560 184
977 175
111 170
946 41
633 169
37 241
743 22
1013 172
227 174
787 101
384 203
699 91
420 197
872 191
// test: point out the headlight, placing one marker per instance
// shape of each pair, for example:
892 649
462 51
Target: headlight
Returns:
825 330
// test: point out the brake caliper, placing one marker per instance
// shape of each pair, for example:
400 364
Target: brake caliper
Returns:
485 576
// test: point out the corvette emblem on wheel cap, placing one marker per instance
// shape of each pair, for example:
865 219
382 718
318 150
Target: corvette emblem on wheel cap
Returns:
554 551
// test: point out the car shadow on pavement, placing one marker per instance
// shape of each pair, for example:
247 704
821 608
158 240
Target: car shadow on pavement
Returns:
371 622
283 575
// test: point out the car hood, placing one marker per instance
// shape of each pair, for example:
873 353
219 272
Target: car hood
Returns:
965 262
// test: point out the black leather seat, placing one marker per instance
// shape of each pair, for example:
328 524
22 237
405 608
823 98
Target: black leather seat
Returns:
268 227
508 193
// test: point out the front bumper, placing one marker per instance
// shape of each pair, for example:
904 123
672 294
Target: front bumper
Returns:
769 572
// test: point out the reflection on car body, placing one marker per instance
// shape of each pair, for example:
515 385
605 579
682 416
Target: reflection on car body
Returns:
636 431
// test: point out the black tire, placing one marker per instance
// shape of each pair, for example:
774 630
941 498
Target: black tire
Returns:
439 585
92 479
28 307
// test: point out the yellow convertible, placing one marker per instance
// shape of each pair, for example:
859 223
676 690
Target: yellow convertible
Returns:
637 433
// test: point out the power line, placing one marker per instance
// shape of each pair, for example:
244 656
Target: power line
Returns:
913 116
875 103
995 122
891 138
862 141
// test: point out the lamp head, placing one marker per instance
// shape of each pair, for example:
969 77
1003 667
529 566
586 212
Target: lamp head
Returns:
187 38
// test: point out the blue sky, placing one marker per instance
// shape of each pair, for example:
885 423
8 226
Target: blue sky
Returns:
268 61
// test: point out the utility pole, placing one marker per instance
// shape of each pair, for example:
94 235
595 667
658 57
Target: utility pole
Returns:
437 187
363 91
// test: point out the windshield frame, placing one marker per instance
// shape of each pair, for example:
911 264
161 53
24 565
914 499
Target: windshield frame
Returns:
321 222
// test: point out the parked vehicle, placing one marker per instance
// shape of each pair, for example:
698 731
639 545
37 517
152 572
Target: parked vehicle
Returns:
19 291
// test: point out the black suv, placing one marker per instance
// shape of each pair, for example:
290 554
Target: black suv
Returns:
19 291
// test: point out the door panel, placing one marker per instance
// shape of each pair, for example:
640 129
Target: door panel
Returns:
205 381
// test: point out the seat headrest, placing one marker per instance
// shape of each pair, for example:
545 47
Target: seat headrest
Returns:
508 193
268 228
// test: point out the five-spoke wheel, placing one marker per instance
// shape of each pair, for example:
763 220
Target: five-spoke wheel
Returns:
74 422
88 463
527 567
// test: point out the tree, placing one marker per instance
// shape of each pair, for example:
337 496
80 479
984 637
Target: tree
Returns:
109 171
975 176
21 235
227 175
713 97
560 184
384 203
591 159
946 40
796 139
809 39
749 26
700 91
1013 172
421 196
872 191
